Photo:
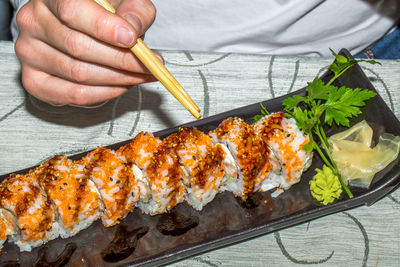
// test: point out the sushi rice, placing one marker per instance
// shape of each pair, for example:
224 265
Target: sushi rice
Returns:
36 217
286 141
75 198
203 162
251 155
116 183
161 170
8 225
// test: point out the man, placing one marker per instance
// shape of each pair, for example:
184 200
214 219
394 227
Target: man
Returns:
74 51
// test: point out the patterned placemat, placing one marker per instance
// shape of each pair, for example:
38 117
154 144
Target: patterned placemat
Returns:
32 131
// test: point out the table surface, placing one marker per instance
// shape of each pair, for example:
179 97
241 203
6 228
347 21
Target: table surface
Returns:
32 131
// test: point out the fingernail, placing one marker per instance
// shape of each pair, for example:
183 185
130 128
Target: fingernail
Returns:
160 58
124 36
134 20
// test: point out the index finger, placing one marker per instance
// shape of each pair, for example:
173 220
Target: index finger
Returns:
89 17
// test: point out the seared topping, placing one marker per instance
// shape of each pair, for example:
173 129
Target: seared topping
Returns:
164 168
269 125
196 151
115 181
277 132
252 152
33 210
211 162
70 195
140 149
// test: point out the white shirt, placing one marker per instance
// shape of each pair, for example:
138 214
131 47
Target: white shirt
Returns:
290 27
281 27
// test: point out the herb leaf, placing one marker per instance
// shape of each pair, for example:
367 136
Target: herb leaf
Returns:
309 146
318 90
257 117
291 102
264 112
344 103
342 64
304 119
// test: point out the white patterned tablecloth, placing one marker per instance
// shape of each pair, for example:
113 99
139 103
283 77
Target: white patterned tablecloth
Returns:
32 131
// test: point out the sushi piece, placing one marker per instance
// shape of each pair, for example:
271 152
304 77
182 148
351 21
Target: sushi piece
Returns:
202 160
115 181
160 168
74 196
8 225
138 153
36 217
286 141
251 154
165 176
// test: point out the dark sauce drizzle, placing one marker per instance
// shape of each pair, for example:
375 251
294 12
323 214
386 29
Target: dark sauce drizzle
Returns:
252 202
123 244
175 223
61 260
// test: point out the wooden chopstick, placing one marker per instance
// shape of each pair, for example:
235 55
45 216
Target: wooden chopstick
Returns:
142 46
159 71
152 66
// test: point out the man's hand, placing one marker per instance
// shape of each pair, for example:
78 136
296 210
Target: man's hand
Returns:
75 52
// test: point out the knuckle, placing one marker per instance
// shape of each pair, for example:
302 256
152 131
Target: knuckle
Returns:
123 60
19 47
24 17
101 24
26 80
29 82
78 95
74 44
152 10
149 11
79 72
65 10
22 51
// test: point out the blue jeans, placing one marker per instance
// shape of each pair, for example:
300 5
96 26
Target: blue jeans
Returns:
386 48
5 19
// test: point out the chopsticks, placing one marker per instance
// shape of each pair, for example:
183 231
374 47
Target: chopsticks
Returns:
154 65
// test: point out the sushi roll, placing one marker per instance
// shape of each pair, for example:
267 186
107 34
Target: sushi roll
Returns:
115 181
36 217
161 170
202 160
251 155
74 196
286 141
61 197
8 225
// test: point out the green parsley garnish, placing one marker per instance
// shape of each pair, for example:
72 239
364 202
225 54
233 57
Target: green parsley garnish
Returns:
327 104
343 63
264 112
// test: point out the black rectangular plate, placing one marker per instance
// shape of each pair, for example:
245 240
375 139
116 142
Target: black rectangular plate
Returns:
227 220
